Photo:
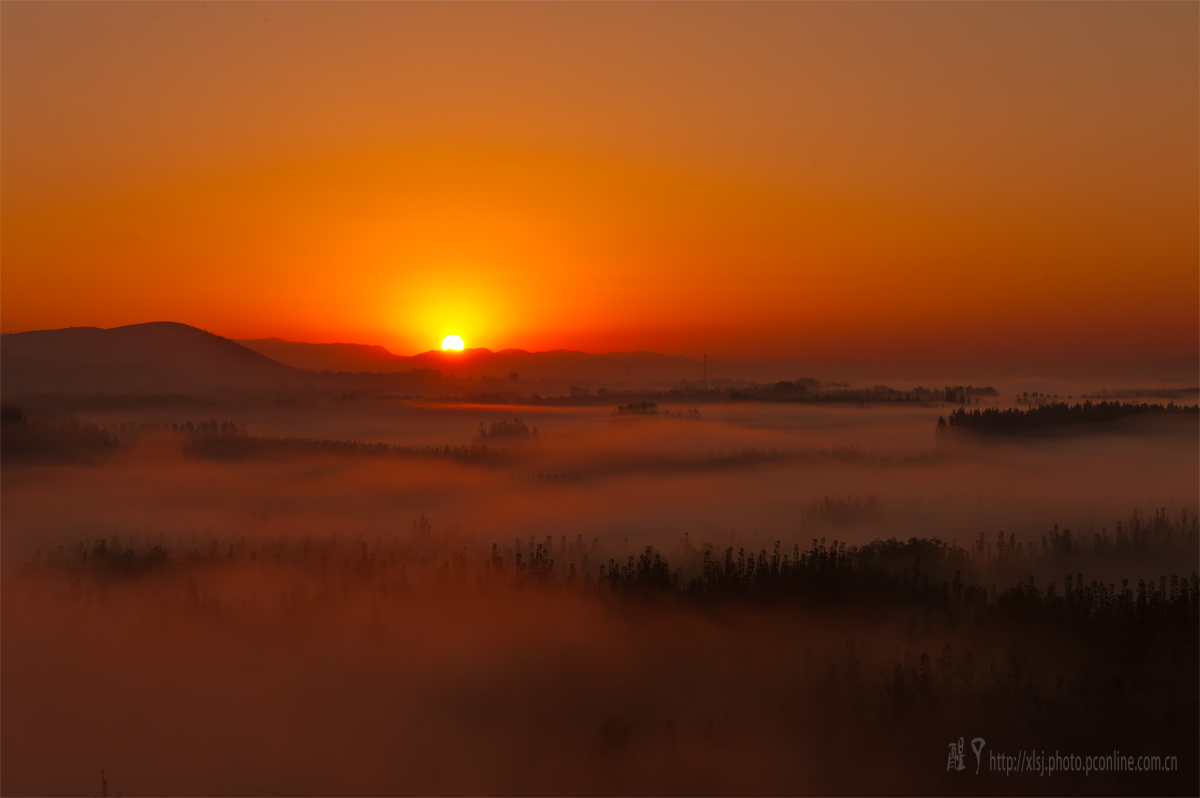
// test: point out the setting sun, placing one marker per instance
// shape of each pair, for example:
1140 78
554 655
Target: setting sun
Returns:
452 342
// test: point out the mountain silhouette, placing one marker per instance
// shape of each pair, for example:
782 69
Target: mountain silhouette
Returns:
155 357
172 358
557 365
328 357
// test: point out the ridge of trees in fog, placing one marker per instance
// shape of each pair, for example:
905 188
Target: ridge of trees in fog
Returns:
644 409
504 442
715 391
799 392
1137 393
505 431
1054 416
927 568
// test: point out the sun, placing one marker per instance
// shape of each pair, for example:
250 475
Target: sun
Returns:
452 342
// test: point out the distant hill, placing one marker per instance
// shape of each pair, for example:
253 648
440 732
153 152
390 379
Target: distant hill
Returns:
157 357
558 365
167 358
328 357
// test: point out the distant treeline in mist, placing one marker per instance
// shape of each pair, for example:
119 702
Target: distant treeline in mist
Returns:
1138 393
33 440
803 390
506 431
581 396
638 410
799 392
997 576
30 440
843 512
925 568
1055 416
498 392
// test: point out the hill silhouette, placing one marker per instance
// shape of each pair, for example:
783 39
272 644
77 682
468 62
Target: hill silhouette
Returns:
160 358
328 357
156 357
640 366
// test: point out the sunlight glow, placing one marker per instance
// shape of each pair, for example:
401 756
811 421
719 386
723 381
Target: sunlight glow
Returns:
452 342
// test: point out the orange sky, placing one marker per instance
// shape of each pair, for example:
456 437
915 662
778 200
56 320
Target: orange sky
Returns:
755 181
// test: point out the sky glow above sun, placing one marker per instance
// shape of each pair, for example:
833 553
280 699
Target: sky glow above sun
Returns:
452 342
937 183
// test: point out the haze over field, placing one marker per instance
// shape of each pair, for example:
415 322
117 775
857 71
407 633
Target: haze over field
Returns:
310 631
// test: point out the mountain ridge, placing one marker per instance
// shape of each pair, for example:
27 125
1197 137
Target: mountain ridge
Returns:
171 357
152 356
638 366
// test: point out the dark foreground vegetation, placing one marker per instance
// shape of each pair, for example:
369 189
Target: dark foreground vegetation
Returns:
1057 417
797 663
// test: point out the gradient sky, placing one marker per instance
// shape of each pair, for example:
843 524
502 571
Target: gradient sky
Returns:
858 181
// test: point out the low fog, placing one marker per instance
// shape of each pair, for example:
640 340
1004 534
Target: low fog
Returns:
323 619
749 474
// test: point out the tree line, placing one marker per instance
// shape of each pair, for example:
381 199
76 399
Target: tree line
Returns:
1053 416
